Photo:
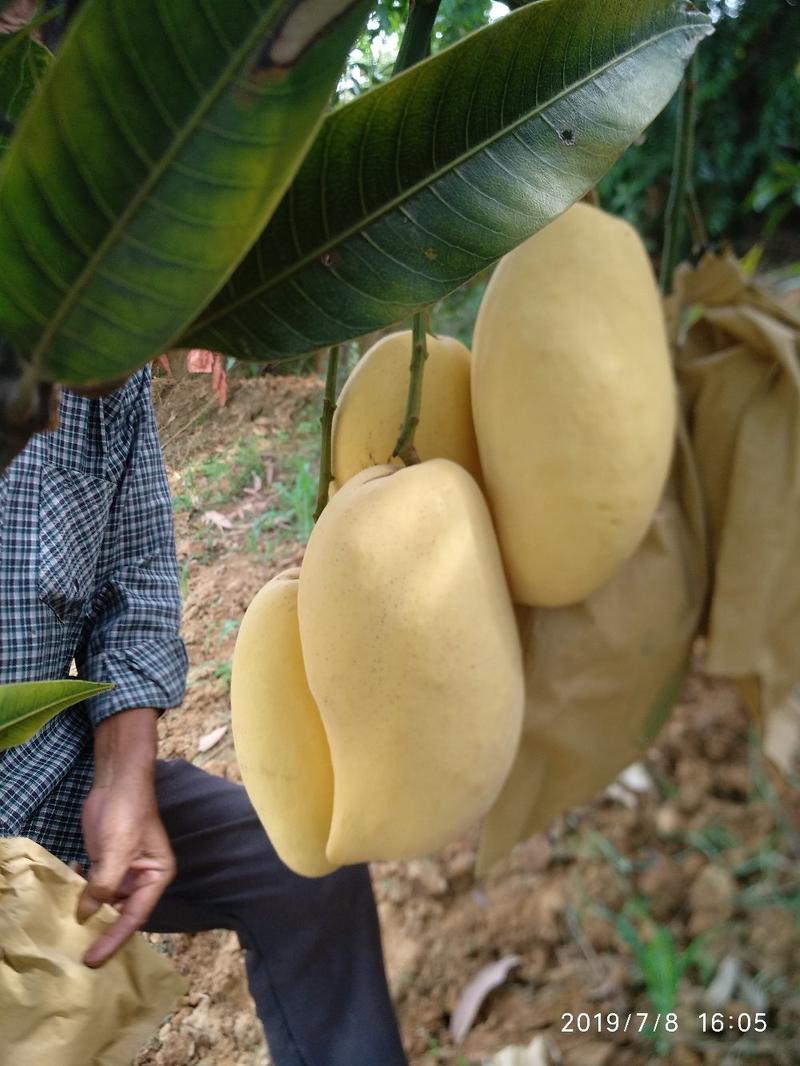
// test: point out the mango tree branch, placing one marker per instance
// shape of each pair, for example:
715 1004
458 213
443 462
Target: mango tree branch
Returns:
416 42
326 421
404 449
675 215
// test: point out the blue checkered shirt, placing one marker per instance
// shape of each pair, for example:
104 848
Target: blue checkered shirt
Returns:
87 572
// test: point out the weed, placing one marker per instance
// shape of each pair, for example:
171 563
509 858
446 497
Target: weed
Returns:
223 672
291 513
604 848
228 627
712 840
661 964
214 481
184 579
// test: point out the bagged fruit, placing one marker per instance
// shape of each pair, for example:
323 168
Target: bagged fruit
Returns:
737 358
601 676
53 1008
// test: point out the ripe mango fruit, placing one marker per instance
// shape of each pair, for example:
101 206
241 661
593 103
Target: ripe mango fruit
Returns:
574 404
278 734
373 401
412 656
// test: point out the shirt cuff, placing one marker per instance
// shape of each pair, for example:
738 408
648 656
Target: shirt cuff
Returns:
151 674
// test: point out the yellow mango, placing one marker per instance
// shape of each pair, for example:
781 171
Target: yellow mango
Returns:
278 734
413 658
373 401
574 404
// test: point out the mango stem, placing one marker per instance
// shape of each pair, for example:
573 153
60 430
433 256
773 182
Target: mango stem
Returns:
326 422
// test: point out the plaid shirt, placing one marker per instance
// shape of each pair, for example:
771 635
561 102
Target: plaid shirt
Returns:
87 572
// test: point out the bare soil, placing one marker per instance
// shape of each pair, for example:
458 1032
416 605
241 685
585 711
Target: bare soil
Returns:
708 852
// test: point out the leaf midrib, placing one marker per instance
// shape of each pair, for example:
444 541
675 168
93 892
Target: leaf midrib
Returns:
62 704
412 190
87 274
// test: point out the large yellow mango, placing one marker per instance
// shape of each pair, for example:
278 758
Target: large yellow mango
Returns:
277 731
413 658
373 402
574 404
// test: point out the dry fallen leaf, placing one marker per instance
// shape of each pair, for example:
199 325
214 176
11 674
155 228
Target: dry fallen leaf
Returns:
473 995
212 738
215 518
538 1053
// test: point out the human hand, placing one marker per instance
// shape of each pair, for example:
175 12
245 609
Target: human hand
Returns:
130 854
131 862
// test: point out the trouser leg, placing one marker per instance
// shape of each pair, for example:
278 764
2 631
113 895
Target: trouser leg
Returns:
313 949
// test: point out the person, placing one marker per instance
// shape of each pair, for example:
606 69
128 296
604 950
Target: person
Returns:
88 573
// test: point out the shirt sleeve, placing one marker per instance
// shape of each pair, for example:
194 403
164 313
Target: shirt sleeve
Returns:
132 635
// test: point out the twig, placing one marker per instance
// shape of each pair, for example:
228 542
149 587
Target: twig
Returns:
416 42
188 425
404 449
415 45
697 216
681 171
326 422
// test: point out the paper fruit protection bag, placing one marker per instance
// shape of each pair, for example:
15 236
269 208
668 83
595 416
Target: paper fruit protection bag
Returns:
54 1011
738 361
602 675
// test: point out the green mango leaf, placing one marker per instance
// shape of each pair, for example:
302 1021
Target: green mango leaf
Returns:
152 156
23 62
421 183
28 705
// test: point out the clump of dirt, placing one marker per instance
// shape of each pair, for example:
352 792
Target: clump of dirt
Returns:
700 859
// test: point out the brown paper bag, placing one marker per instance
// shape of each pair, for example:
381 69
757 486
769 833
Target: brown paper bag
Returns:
54 1011
602 676
738 361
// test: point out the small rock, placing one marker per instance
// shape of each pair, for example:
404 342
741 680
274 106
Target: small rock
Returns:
533 856
600 932
669 821
593 1053
247 1030
774 940
428 876
685 1056
711 899
732 782
695 780
461 865
177 1049
664 885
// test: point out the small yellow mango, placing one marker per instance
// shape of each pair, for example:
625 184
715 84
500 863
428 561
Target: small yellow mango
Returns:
413 658
278 734
574 404
373 401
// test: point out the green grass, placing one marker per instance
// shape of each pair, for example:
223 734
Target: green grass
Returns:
660 962
218 479
291 514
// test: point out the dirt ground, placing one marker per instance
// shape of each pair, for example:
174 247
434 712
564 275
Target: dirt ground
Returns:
684 884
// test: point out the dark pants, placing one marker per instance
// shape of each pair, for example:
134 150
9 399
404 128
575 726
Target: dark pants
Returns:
314 958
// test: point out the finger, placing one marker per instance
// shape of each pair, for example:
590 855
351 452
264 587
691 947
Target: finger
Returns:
105 877
135 911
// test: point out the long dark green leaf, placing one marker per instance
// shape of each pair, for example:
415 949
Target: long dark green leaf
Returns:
27 705
156 150
419 184
23 62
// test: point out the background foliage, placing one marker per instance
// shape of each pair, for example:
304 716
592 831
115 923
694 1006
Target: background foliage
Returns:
747 145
